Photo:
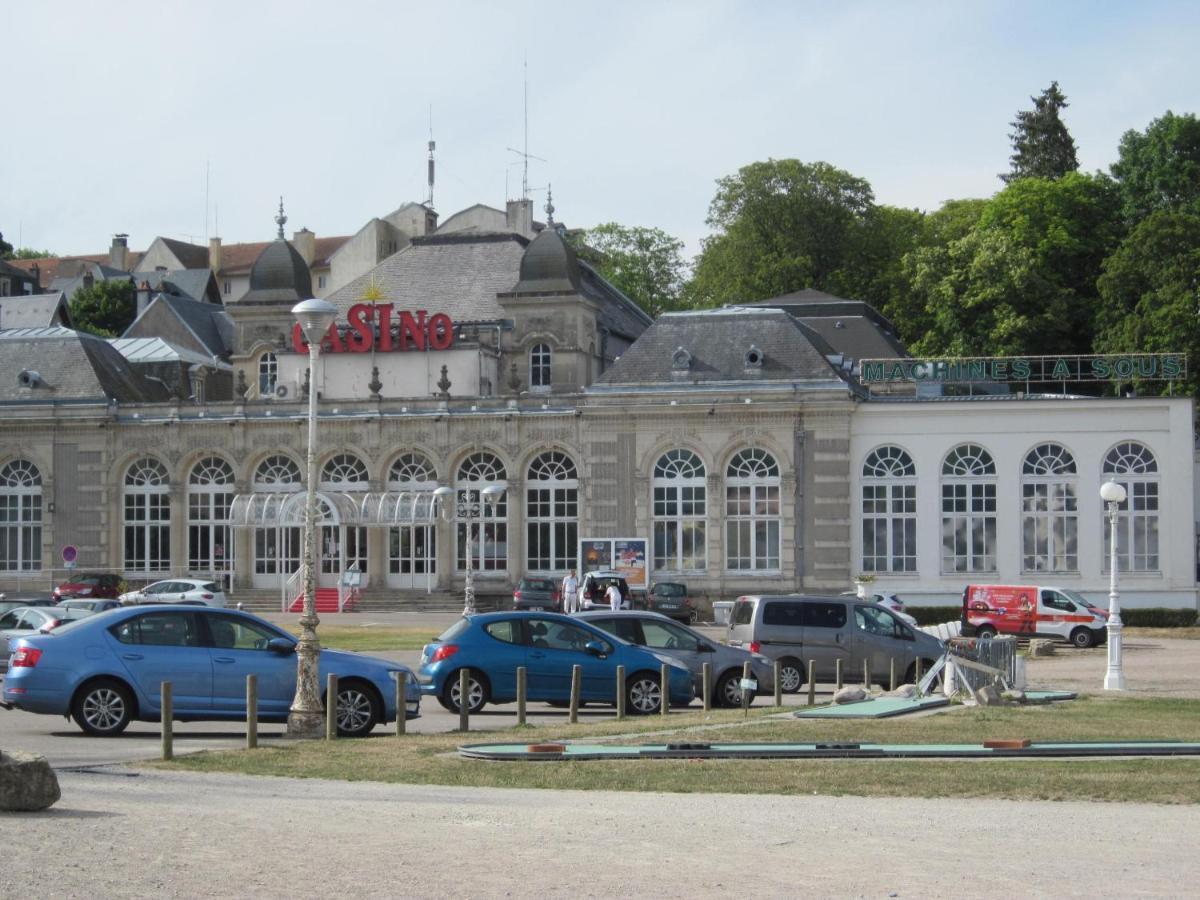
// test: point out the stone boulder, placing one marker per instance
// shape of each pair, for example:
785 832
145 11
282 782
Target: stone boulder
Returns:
27 783
988 696
1038 648
850 694
905 690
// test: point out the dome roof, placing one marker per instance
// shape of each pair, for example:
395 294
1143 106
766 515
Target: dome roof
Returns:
281 267
548 265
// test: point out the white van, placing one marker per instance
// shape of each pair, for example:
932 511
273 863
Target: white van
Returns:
1032 611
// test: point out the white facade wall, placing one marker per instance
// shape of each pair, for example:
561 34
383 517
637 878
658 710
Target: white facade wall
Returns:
410 373
1009 429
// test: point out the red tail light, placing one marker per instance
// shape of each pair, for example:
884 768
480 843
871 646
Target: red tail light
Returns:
755 646
207 596
517 594
26 657
444 652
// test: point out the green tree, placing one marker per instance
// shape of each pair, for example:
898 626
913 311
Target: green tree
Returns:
1150 290
783 225
1160 167
30 253
645 264
5 248
1042 146
106 309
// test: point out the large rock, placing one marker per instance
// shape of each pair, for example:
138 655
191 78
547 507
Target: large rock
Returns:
850 694
905 690
27 783
1038 648
988 696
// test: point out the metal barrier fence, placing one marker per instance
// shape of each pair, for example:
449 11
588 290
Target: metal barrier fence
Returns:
980 662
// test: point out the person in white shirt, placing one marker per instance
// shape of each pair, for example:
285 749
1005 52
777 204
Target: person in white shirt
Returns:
613 596
570 593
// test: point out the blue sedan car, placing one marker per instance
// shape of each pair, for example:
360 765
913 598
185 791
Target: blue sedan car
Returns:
107 670
492 646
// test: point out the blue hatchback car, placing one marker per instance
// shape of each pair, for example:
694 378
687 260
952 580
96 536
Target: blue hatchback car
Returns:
107 670
492 646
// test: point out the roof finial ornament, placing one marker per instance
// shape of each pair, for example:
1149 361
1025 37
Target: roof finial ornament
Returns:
280 219
549 206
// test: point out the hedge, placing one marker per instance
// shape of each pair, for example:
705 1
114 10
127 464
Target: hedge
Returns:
1154 617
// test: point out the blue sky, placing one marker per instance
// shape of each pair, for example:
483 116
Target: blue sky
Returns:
637 108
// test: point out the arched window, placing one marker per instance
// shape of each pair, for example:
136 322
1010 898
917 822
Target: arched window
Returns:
412 549
889 511
752 512
147 518
679 512
1049 510
1133 466
20 517
210 493
276 550
551 513
968 510
412 472
344 472
488 525
268 374
277 473
539 366
343 546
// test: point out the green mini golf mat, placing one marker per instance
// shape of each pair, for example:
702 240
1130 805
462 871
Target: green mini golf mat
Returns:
1041 696
829 750
877 708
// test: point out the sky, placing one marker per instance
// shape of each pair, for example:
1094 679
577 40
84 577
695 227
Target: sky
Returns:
191 120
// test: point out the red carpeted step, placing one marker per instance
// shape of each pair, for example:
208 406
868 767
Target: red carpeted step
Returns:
326 601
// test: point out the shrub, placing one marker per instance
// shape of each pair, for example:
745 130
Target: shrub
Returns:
934 615
1159 617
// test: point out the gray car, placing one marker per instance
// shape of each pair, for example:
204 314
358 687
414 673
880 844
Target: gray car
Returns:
26 620
661 634
797 629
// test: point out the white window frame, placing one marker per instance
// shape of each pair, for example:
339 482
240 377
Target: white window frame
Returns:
268 374
277 547
1134 466
20 517
146 519
1049 510
210 493
551 513
412 471
488 529
968 504
343 473
752 513
540 367
888 505
679 512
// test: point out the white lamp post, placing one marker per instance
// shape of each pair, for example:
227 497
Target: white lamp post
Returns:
306 719
1113 494
472 513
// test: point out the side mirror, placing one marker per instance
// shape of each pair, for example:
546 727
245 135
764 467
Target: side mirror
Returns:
281 646
595 648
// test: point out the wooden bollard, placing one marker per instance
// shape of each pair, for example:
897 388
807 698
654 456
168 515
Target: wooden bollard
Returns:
330 707
812 682
866 675
838 682
251 712
917 669
746 672
892 680
521 691
167 707
464 700
576 687
664 690
621 692
778 683
706 685
401 703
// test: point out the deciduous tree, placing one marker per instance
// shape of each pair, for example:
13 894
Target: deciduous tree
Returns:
1160 167
645 264
106 308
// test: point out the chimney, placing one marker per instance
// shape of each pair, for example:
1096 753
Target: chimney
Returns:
88 279
431 218
519 216
143 297
118 253
214 254
36 271
305 243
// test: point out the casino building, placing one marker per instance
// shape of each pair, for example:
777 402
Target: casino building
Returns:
743 444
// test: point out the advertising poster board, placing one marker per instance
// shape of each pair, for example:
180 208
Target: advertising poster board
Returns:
595 555
629 558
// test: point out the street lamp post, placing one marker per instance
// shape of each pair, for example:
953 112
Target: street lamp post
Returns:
472 513
1113 494
306 719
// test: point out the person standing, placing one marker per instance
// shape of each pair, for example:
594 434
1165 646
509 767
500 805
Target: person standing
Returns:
570 593
613 596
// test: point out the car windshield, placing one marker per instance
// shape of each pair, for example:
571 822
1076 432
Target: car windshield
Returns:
539 584
1076 596
670 590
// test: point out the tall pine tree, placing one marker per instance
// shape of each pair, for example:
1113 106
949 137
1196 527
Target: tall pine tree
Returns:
1042 146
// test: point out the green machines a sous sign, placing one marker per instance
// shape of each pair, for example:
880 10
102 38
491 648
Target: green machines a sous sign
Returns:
1031 369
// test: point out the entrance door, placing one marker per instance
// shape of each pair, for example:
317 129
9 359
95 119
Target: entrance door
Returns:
412 557
276 555
342 546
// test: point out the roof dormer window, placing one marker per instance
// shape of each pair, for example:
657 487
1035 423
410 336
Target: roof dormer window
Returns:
681 360
753 358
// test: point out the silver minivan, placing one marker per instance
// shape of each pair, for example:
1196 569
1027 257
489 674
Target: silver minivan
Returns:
796 629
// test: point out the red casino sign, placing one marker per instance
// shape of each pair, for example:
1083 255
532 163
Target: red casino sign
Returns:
397 331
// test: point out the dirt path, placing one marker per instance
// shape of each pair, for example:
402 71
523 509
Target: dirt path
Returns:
174 834
1154 667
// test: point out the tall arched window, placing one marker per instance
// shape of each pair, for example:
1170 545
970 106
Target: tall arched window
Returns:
268 374
551 513
1049 510
147 518
889 511
20 517
343 546
539 366
412 549
210 493
679 512
1133 466
276 549
752 512
488 524
968 510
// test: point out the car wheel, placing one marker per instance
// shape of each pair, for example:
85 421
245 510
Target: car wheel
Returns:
985 632
729 690
643 696
477 692
791 675
103 708
357 709
1082 638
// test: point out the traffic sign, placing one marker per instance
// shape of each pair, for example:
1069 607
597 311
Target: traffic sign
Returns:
69 553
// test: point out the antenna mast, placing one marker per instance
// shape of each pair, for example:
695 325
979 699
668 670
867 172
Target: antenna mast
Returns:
206 168
432 147
525 155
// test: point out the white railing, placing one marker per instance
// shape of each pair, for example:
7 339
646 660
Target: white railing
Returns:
290 587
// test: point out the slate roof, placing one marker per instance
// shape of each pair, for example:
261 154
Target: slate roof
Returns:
34 310
718 341
74 366
237 259
204 320
851 327
194 284
48 266
98 271
192 256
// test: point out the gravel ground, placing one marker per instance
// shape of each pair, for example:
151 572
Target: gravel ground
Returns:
176 834
1154 667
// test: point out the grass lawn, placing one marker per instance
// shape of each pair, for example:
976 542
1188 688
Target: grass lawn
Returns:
370 637
430 759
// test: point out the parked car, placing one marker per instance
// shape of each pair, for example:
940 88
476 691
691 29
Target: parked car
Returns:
594 585
26 620
662 635
538 594
106 670
90 584
491 647
178 590
795 629
6 605
889 600
92 606
671 599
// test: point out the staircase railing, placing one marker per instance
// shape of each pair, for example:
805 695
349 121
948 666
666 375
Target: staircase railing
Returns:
290 588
